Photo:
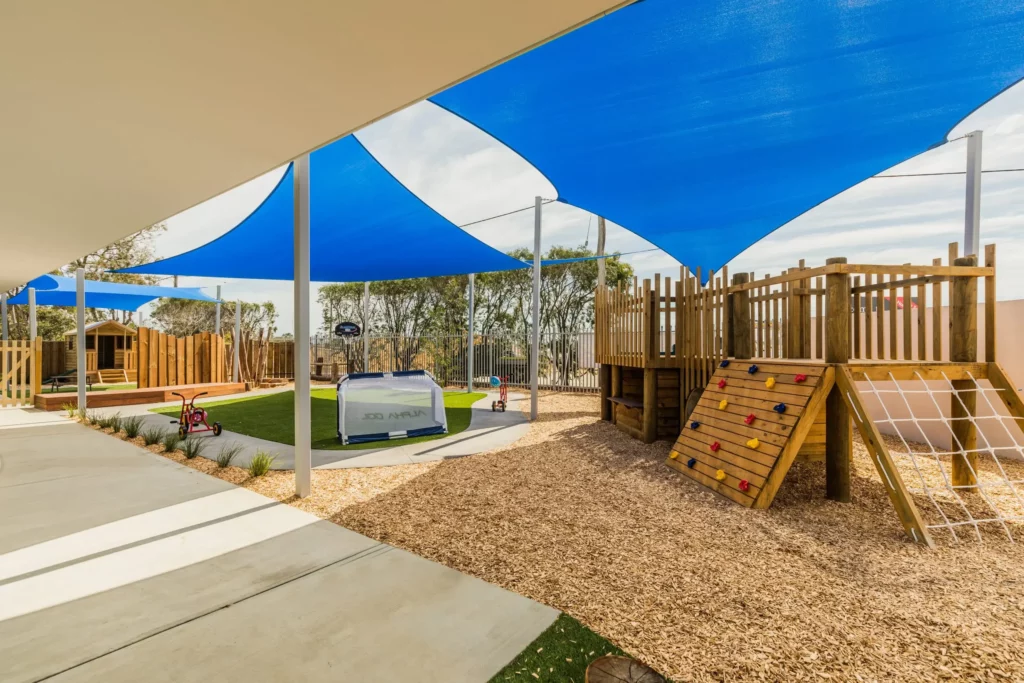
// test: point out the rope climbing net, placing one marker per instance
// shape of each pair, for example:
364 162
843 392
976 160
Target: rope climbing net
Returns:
992 497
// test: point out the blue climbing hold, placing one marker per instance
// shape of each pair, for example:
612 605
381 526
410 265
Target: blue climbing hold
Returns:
691 462
694 424
752 369
724 364
780 408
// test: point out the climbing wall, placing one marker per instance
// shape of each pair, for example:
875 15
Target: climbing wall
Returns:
749 425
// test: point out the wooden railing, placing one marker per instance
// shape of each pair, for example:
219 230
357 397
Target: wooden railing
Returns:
20 376
893 313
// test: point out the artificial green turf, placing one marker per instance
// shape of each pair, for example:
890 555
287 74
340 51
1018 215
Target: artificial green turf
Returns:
561 654
271 417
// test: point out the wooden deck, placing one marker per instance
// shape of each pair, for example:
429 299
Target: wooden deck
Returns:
128 397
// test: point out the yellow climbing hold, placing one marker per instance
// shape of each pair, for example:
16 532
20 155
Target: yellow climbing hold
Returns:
720 475
770 382
753 443
673 455
722 404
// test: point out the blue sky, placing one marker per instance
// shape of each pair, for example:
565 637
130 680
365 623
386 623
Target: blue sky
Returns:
466 175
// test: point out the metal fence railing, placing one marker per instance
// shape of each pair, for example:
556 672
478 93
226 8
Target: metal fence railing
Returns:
566 359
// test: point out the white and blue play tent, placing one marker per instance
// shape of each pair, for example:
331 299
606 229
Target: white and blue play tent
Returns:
377 406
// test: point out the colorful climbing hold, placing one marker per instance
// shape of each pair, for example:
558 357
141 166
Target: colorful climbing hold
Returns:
753 443
721 384
752 370
749 419
722 404
691 462
800 378
770 382
673 455
724 364
715 446
780 408
720 475
694 424
744 485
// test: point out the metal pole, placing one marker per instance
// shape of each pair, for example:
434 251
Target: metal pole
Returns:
303 436
216 320
601 279
366 327
236 370
972 213
80 337
32 313
469 325
535 346
3 316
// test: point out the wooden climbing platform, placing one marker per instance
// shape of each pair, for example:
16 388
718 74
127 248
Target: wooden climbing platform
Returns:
749 425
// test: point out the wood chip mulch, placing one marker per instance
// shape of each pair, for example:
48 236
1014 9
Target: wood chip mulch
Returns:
583 518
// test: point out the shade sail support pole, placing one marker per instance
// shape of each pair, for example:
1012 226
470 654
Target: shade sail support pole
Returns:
236 367
535 345
80 336
601 232
216 320
972 205
469 334
366 326
32 313
303 436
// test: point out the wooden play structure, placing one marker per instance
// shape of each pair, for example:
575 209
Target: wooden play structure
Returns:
748 376
109 352
165 360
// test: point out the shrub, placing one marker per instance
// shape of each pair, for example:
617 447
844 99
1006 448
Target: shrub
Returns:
172 440
260 463
193 446
71 408
132 425
101 421
82 415
115 421
228 453
153 436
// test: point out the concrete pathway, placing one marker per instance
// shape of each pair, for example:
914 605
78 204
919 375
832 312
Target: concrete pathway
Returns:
117 565
487 430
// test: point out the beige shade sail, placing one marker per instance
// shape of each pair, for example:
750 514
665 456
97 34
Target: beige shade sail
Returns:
118 114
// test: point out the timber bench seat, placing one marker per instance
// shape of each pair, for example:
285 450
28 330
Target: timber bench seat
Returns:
628 402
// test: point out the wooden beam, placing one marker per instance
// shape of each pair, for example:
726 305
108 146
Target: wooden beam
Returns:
605 381
1007 393
990 304
650 424
838 431
739 327
907 511
880 286
880 372
963 347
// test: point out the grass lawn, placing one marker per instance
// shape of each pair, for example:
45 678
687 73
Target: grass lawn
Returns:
270 417
562 653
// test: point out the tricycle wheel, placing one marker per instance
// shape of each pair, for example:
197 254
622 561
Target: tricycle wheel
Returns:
217 429
503 407
183 430
494 406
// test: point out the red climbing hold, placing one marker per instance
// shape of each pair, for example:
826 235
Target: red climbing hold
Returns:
715 446
721 384
744 485
749 419
800 378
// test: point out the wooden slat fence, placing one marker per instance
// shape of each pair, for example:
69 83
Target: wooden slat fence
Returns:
165 360
20 377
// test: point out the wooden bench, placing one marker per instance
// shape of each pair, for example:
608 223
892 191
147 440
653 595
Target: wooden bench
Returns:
628 402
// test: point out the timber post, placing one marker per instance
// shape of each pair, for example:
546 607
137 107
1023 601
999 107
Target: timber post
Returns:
963 348
838 428
605 378
739 339
649 427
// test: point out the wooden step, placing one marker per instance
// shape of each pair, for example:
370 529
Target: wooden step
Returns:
112 376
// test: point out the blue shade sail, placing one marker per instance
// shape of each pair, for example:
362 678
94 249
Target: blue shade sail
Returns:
703 125
364 225
53 290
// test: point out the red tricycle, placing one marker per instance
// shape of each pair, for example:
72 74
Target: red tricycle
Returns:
191 417
502 384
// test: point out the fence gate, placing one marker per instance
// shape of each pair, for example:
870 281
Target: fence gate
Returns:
20 380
